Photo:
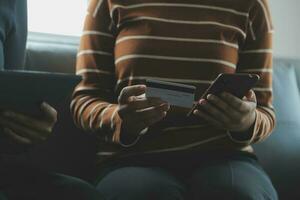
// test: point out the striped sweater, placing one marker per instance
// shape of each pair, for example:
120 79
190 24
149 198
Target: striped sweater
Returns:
190 42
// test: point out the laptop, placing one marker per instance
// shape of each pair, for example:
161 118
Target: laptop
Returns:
24 91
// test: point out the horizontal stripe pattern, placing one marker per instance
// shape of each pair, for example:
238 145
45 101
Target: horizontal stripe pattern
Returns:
213 23
126 43
180 5
126 57
145 37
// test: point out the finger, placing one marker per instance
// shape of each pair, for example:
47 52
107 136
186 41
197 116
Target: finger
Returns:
250 96
208 118
238 104
222 105
49 112
214 112
151 116
137 104
16 138
148 115
129 91
26 121
23 130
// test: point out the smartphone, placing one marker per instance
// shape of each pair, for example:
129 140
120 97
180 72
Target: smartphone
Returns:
237 84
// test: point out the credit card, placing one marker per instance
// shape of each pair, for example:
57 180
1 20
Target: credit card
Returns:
174 93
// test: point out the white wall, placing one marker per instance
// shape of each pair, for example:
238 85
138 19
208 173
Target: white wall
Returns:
286 15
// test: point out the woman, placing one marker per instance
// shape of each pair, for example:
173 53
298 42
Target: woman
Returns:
18 132
149 149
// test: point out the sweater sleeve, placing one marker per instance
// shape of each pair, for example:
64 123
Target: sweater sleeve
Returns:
255 56
94 105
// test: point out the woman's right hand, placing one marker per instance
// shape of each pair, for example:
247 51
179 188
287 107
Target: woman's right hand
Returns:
138 113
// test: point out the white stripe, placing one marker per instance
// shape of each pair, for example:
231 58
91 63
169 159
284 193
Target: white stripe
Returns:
82 108
97 8
271 31
89 51
190 145
76 101
262 89
145 37
98 71
266 14
133 56
96 33
258 70
257 51
81 88
179 5
186 22
112 118
251 30
79 101
102 114
91 115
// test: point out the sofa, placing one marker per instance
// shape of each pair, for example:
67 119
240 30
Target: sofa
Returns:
278 154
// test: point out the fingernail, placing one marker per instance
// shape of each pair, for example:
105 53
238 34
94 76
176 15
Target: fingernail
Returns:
210 97
202 101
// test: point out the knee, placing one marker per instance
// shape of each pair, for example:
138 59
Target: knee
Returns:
72 188
238 193
253 192
140 183
243 191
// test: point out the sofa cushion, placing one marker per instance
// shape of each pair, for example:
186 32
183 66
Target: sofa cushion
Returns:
285 93
279 154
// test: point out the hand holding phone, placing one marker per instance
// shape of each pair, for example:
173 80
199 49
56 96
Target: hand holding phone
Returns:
237 84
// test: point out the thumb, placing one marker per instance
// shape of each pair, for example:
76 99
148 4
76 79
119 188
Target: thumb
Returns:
250 96
49 112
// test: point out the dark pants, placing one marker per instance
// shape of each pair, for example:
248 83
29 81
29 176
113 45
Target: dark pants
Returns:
47 186
231 177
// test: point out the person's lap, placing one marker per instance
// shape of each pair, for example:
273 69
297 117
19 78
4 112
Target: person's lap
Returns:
49 186
231 178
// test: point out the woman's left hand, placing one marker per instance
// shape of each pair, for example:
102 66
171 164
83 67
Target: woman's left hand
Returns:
229 112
